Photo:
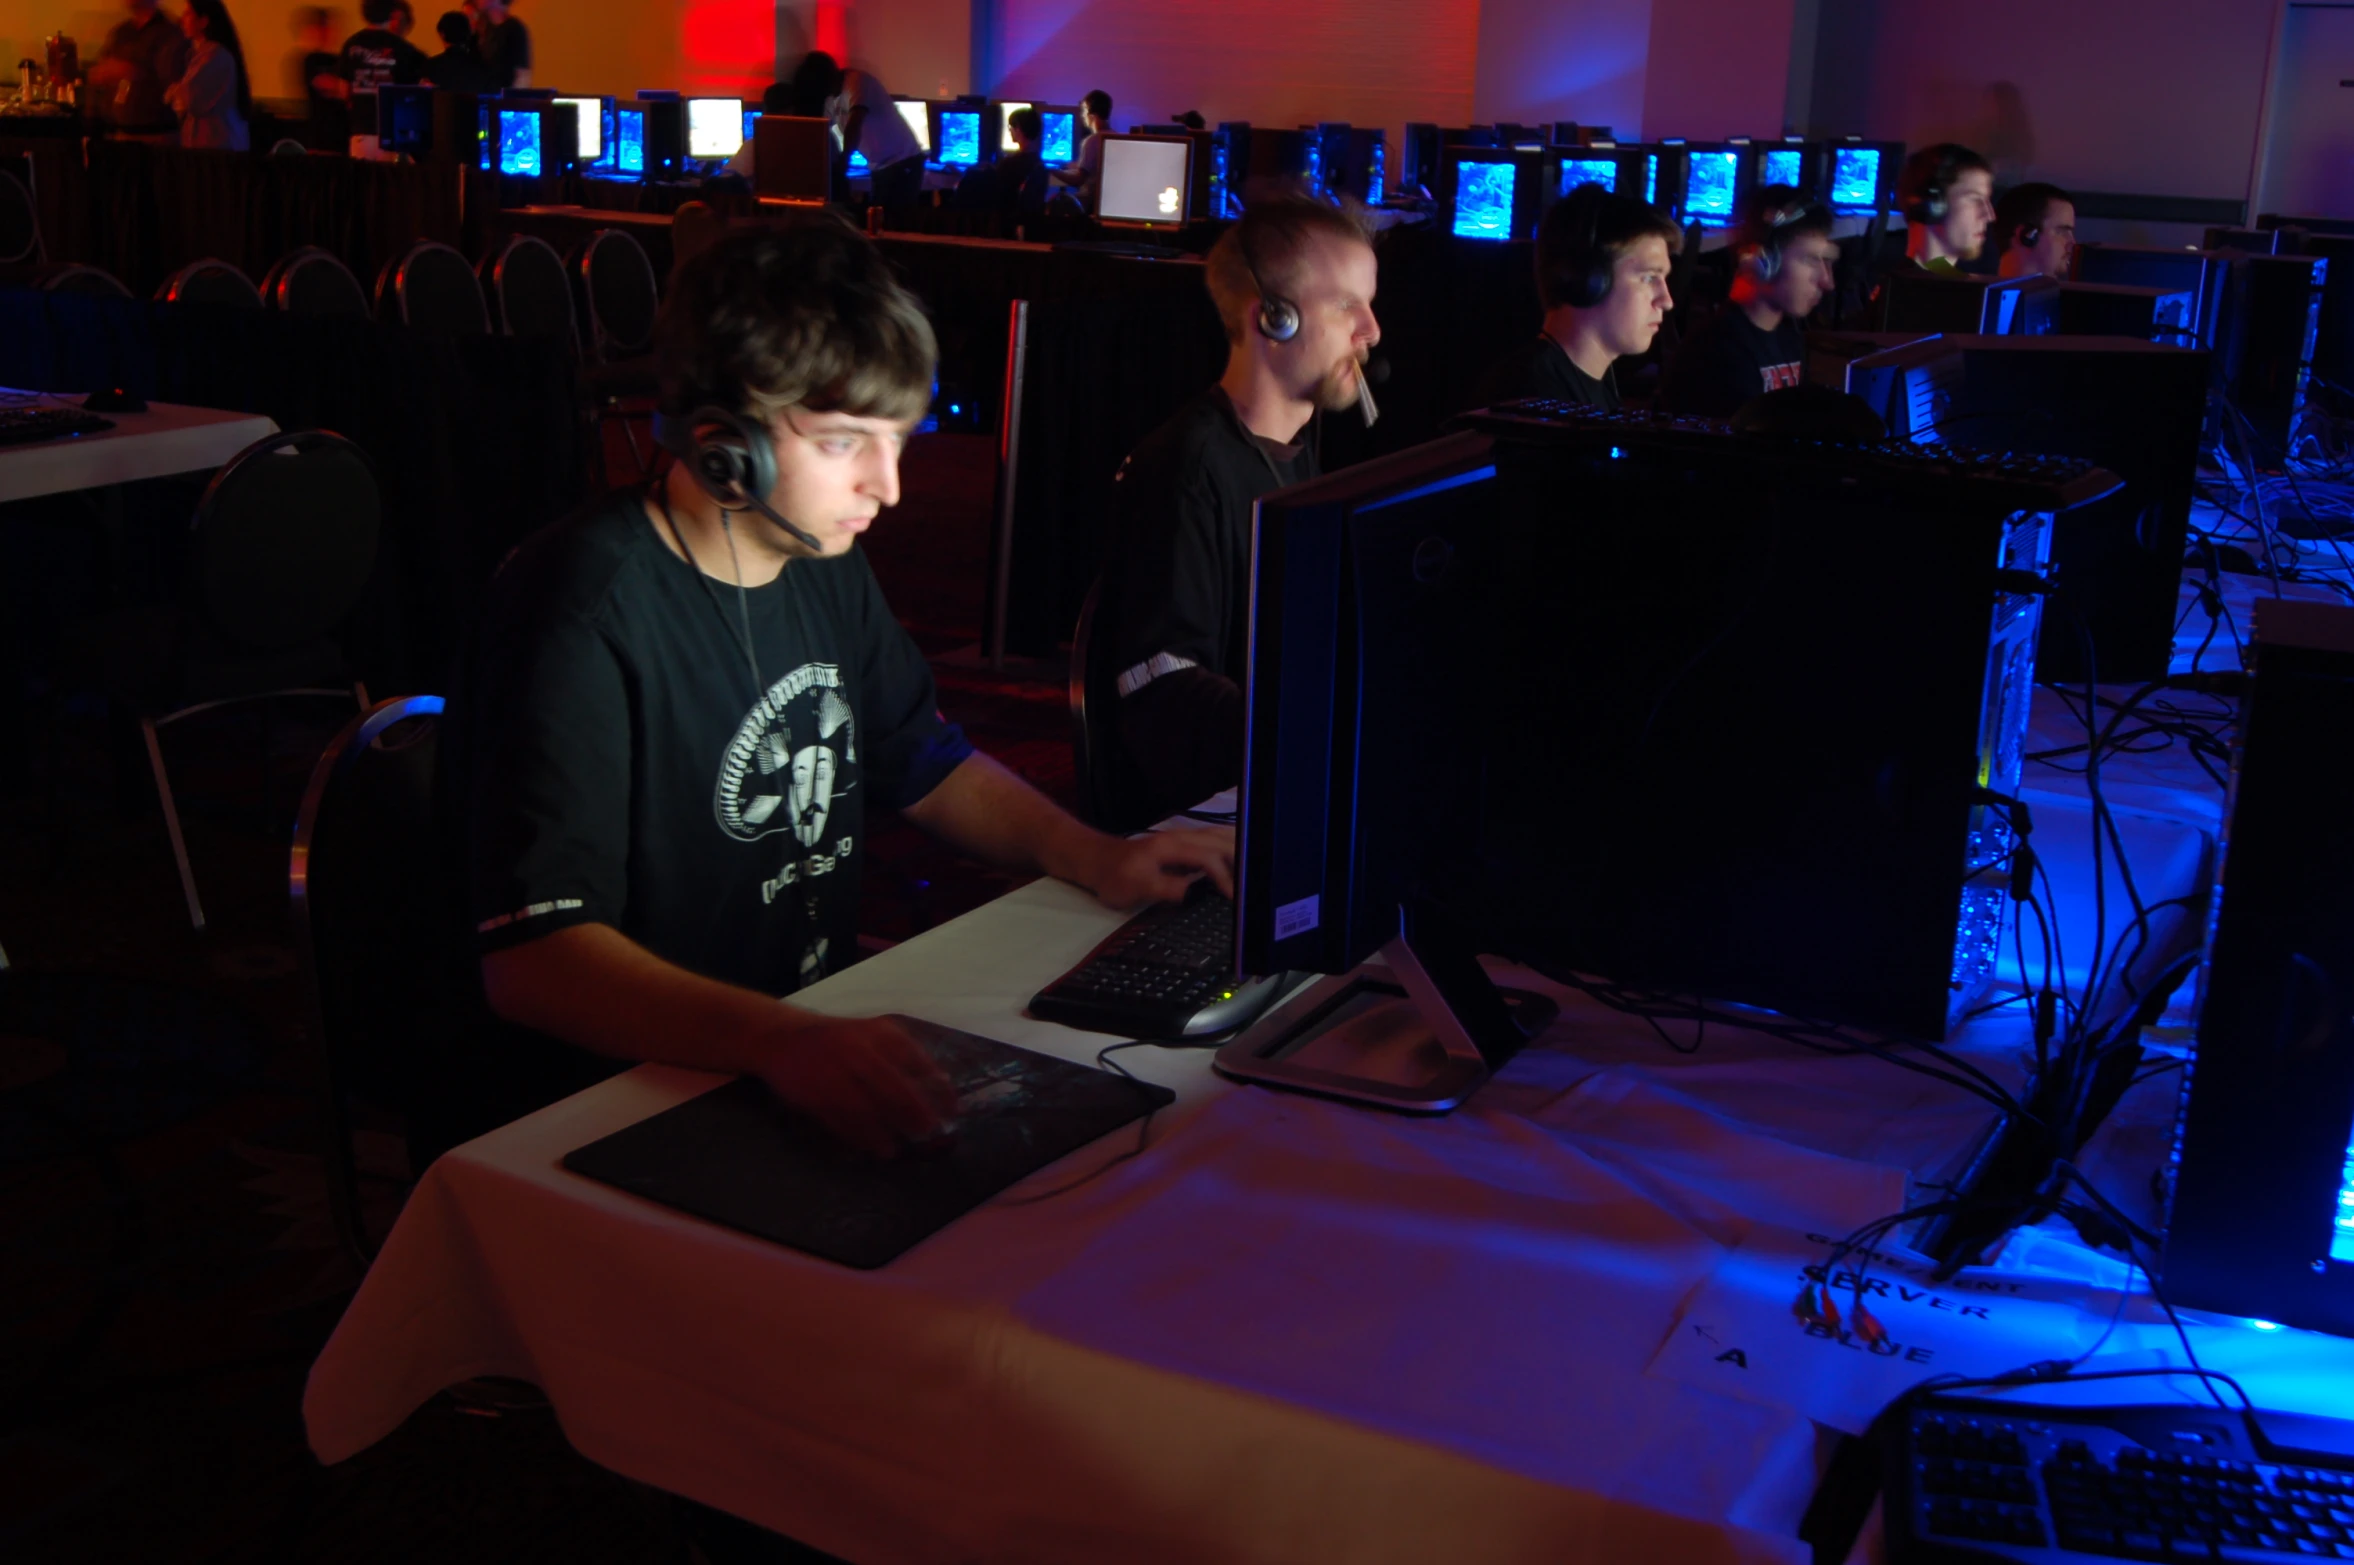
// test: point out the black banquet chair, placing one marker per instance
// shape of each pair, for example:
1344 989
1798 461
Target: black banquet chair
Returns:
282 544
20 224
64 277
365 888
431 286
619 298
312 281
210 281
530 294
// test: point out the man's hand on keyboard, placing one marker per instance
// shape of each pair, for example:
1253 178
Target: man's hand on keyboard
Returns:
1162 866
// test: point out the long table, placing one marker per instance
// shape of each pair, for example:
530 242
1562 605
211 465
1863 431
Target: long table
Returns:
1270 1327
156 442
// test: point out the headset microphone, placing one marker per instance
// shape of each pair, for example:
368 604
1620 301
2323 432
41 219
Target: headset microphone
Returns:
1372 370
805 540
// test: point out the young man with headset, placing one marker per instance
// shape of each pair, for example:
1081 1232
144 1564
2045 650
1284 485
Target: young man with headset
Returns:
1293 281
1602 264
685 704
1946 193
1783 255
2034 231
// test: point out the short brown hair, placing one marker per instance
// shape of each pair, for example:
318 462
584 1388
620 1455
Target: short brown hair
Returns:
1584 235
1263 250
808 316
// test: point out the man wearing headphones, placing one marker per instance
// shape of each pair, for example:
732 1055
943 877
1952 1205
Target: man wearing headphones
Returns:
682 704
1293 282
1602 263
1783 255
2035 231
1946 193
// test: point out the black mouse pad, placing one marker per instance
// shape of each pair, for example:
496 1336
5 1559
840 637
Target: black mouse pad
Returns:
738 1157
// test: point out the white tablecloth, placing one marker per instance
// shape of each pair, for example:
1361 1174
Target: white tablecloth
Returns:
1290 1330
163 440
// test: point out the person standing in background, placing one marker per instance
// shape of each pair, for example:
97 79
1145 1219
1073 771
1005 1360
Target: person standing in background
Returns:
460 66
505 44
378 55
143 55
213 97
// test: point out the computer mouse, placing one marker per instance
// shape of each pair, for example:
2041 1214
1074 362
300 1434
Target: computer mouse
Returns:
118 399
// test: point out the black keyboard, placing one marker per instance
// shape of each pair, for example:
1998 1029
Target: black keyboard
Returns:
1166 973
23 425
1985 1480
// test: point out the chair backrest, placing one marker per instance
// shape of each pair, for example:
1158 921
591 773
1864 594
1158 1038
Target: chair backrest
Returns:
210 281
312 281
529 291
694 228
288 147
284 539
20 223
1111 793
365 885
429 285
618 295
74 277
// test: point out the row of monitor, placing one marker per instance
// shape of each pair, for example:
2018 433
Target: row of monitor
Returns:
1500 192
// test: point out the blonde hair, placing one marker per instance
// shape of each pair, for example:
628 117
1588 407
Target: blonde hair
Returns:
1266 250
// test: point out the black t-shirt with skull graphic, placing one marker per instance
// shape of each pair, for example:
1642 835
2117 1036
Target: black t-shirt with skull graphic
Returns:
611 761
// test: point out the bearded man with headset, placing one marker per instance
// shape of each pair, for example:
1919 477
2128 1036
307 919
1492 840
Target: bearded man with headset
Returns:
683 703
1293 281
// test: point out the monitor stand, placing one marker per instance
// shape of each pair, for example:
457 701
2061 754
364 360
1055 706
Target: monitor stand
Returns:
1418 1029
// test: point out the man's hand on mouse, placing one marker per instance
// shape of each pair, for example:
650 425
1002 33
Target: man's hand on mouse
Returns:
866 1079
1161 866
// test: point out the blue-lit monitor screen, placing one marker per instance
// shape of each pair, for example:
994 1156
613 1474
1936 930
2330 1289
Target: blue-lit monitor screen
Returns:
1781 167
1651 180
858 163
1709 192
1483 200
1588 171
960 137
751 124
1855 178
2174 314
629 140
1058 139
2341 1233
518 142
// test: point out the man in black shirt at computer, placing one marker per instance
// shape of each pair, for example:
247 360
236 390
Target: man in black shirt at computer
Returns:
1293 281
1783 254
2034 231
1946 193
1602 263
664 757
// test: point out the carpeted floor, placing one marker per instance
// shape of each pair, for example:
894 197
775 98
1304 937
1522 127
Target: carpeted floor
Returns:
167 1271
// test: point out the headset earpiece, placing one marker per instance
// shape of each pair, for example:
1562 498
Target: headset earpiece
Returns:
1279 318
2030 235
730 457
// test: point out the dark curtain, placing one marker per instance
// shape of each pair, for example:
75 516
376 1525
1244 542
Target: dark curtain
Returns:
1101 374
477 442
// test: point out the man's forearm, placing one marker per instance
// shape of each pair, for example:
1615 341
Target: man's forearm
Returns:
987 812
592 986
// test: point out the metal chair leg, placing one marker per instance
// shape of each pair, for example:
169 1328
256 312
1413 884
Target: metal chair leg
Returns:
171 820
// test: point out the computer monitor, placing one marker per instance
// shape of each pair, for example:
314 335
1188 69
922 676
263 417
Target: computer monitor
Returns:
1782 164
2200 273
404 119
2021 307
1584 167
715 129
2122 310
1857 177
2134 408
595 128
1492 192
2260 1220
1918 301
959 142
792 160
1001 115
1843 611
1060 133
916 114
1714 180
2264 343
1147 181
